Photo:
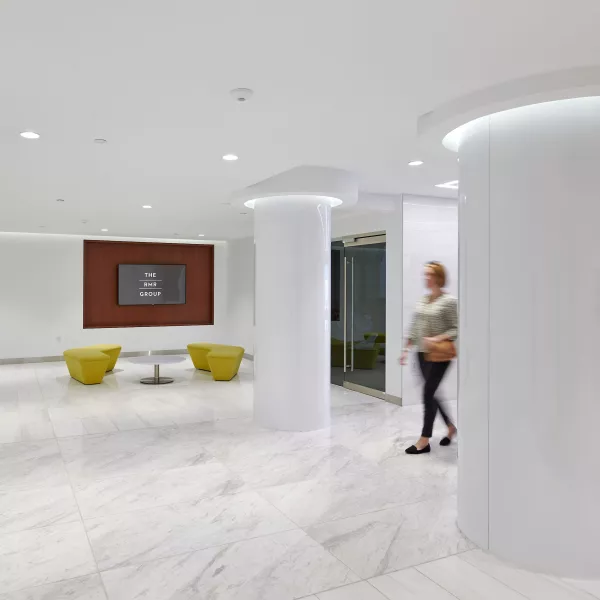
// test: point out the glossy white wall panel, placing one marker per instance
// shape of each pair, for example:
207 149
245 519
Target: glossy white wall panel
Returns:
544 466
473 338
292 333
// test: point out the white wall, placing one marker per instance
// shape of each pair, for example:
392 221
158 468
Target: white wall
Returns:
240 288
430 233
41 302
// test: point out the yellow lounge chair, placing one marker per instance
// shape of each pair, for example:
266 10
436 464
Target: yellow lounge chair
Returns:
86 364
221 360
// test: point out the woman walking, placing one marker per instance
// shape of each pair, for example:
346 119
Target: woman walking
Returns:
433 332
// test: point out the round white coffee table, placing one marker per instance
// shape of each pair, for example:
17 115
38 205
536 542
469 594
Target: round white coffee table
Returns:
157 360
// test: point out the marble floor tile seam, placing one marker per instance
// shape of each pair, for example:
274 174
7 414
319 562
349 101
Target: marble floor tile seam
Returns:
213 464
360 514
117 430
340 544
85 523
33 588
94 570
141 563
166 504
318 595
174 426
349 516
433 560
303 529
35 484
266 535
87 537
502 584
77 519
544 576
429 578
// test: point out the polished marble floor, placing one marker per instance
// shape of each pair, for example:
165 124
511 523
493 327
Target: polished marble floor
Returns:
128 492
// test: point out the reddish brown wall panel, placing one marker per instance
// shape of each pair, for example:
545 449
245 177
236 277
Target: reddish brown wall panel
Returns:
100 284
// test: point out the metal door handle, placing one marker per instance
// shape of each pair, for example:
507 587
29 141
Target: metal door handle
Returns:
345 311
352 318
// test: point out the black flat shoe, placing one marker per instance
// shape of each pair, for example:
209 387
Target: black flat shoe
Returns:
414 450
446 441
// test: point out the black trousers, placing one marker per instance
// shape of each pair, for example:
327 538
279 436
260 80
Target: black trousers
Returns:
433 373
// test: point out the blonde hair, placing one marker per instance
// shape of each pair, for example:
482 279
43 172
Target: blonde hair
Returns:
439 272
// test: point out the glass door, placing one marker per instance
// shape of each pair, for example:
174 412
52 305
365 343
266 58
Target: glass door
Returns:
338 321
358 319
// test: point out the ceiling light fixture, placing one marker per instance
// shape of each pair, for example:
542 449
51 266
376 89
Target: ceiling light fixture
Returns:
415 163
230 157
241 94
104 230
30 135
200 235
449 185
146 206
99 141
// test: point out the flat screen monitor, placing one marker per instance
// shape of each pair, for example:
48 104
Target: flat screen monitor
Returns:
151 284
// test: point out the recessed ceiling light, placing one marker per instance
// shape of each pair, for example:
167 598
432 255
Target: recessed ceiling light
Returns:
104 230
146 206
415 163
230 157
30 135
99 141
449 185
200 235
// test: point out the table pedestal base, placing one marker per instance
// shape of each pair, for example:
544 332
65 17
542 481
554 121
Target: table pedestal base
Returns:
157 379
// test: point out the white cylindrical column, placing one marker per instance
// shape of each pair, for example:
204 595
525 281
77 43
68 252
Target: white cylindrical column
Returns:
529 398
292 299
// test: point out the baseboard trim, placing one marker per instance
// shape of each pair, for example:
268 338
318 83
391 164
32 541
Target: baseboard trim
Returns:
393 399
44 359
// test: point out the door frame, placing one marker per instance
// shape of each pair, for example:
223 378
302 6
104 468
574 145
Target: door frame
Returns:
362 239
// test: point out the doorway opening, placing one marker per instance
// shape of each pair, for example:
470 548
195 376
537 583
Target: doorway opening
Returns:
358 304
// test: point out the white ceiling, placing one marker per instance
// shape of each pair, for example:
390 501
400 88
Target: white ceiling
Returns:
337 83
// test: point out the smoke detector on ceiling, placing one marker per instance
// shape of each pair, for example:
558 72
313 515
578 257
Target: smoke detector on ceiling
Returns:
241 94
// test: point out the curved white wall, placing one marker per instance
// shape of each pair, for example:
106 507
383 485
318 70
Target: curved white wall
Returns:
529 405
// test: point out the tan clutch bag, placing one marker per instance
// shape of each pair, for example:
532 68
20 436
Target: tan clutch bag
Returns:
441 352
